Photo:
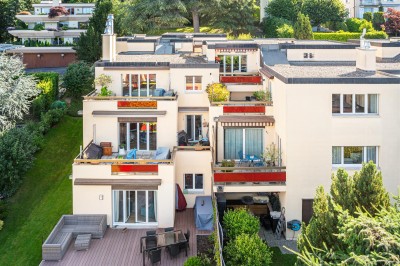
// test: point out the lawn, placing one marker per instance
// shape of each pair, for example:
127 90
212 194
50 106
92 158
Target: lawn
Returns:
45 195
282 259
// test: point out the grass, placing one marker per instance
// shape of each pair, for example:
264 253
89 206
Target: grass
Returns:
282 259
44 196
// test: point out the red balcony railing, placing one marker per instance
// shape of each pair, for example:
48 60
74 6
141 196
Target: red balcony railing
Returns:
241 79
244 109
249 174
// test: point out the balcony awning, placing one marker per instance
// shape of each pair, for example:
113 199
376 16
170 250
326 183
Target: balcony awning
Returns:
124 112
134 184
192 109
246 120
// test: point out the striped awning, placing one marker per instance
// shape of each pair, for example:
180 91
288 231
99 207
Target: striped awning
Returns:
246 121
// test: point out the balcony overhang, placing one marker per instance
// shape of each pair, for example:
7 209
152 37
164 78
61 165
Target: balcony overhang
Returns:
246 120
129 113
150 184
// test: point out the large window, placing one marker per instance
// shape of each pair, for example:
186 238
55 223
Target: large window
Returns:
230 64
354 155
193 83
354 103
193 127
243 141
140 136
138 84
193 183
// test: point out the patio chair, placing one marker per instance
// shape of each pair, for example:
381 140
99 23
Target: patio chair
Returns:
173 250
155 256
241 158
151 233
187 236
169 229
151 242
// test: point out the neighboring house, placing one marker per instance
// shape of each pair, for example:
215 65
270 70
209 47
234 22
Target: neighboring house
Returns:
321 113
60 31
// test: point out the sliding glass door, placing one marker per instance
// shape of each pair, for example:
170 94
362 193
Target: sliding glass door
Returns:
239 142
140 136
134 206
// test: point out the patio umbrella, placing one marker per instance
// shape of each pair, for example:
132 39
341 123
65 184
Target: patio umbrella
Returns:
180 201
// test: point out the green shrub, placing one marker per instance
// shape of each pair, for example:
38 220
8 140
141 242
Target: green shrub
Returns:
377 20
78 79
58 105
344 36
39 106
271 24
240 221
49 119
357 25
197 261
217 92
3 209
48 85
285 31
262 95
367 16
38 27
248 250
336 25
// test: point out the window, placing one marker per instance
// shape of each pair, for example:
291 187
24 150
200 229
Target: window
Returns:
140 136
354 155
239 141
138 84
354 103
193 83
193 127
193 182
230 64
305 55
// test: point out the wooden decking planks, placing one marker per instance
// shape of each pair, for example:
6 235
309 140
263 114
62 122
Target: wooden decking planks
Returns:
122 247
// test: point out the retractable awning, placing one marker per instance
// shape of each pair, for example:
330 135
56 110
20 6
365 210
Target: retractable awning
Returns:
246 121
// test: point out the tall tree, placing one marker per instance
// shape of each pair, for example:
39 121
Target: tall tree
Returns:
17 91
197 8
88 47
148 16
286 9
392 24
342 191
321 11
302 28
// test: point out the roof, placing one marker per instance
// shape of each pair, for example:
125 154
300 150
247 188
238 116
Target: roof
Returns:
170 58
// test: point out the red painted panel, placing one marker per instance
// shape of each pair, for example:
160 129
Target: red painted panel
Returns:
120 168
241 79
244 109
137 104
250 177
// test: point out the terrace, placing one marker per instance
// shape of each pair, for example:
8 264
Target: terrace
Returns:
122 246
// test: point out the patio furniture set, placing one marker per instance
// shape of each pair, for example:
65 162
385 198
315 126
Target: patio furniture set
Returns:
174 242
81 227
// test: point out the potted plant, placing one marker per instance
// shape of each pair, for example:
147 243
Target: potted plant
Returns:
198 146
271 155
228 163
103 81
262 95
217 92
122 151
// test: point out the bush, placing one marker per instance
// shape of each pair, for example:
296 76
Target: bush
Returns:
344 36
38 27
58 105
357 25
367 16
217 92
57 11
285 31
48 85
262 95
49 119
78 79
240 221
197 261
377 20
271 24
3 209
336 25
38 106
248 250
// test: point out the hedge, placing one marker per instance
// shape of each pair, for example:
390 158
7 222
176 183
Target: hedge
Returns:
344 36
48 84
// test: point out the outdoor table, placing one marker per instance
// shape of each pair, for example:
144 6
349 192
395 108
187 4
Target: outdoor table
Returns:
203 213
252 158
164 239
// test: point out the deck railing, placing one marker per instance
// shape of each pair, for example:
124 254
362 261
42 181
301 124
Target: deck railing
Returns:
94 96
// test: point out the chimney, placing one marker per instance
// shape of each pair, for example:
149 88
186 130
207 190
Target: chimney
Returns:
365 56
109 40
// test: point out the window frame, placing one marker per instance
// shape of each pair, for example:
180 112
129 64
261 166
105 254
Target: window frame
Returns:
193 190
241 67
193 77
364 156
193 125
138 83
353 104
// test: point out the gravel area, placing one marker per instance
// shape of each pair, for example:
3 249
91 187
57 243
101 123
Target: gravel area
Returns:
270 238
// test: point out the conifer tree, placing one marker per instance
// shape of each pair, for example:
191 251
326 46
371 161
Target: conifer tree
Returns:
302 28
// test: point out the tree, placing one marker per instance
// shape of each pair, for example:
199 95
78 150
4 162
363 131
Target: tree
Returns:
78 79
88 46
367 16
248 250
237 16
342 191
217 92
240 221
148 16
286 9
302 28
392 24
321 11
378 20
17 90
197 8
271 24
57 11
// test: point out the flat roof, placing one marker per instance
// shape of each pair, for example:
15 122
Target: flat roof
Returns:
170 58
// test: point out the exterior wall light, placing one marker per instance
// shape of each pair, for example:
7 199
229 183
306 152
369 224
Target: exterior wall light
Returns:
38 55
62 55
101 197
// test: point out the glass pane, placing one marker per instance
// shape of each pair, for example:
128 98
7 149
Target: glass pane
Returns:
197 83
335 103
141 203
347 103
188 181
336 155
189 127
152 84
220 59
133 136
233 143
372 103
228 63
244 63
353 155
135 84
189 83
143 136
153 136
126 206
132 205
360 103
198 181
197 127
118 206
151 206
235 63
143 85
122 134
371 154
254 142
125 84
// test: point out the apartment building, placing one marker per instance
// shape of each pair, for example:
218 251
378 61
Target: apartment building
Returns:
327 105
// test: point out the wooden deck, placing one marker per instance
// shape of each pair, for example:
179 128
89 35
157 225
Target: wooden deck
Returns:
122 247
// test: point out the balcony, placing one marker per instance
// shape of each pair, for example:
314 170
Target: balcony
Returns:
45 18
94 95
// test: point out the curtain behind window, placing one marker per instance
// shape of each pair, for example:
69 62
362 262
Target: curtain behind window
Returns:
233 142
371 154
254 141
336 155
